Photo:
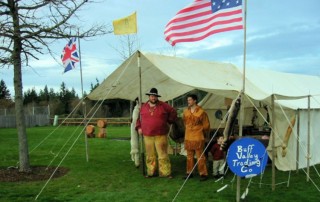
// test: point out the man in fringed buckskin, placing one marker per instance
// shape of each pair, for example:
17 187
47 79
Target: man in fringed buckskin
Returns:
197 125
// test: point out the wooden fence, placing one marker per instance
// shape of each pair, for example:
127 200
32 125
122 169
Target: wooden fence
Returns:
93 121
9 121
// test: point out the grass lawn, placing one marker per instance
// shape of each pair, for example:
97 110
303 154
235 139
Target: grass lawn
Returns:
110 175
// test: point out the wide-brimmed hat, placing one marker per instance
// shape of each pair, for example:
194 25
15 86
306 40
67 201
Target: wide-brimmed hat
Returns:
153 91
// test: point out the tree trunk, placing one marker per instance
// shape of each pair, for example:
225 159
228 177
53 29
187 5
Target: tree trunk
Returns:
20 120
24 35
17 81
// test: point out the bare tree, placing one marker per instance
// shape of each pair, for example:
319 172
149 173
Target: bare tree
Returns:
27 27
128 45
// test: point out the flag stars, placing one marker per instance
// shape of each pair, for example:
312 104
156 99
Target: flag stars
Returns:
223 4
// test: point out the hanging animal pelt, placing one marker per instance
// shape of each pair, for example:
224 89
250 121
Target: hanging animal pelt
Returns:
287 136
231 120
134 135
178 130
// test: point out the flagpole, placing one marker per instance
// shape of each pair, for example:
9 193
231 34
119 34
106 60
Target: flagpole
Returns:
243 88
244 48
83 103
140 103
308 141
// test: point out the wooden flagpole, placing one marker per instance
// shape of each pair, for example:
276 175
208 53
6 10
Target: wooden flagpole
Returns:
241 115
83 103
308 141
297 141
274 149
140 103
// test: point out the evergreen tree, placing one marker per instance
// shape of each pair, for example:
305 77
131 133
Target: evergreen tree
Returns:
73 94
44 95
63 98
94 86
66 97
30 96
52 94
4 91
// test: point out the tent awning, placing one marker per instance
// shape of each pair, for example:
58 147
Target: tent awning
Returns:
174 76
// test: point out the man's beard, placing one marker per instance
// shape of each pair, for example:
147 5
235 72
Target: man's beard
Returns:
153 102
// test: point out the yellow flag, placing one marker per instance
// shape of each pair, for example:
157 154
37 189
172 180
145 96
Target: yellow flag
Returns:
126 25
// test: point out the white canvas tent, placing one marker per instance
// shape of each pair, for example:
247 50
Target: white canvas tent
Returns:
170 75
174 76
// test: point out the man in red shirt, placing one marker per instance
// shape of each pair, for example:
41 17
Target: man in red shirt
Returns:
155 117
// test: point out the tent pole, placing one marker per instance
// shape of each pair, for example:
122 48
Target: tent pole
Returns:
308 156
129 54
83 103
140 101
298 137
273 144
243 88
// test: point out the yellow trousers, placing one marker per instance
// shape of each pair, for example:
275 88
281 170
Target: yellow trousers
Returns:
157 146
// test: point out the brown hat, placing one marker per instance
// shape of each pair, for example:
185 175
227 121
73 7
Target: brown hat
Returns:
153 91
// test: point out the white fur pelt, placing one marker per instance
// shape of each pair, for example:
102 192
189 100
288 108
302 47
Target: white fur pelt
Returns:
134 136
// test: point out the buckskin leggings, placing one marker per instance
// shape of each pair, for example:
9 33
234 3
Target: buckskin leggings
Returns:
202 167
157 146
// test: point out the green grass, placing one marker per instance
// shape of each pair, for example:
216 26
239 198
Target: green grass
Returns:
110 174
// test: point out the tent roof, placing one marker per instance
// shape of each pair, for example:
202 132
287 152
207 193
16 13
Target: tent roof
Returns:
174 76
285 85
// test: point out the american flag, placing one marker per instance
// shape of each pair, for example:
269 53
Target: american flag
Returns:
203 18
70 55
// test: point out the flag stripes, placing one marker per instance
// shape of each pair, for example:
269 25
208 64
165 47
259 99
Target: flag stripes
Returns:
197 21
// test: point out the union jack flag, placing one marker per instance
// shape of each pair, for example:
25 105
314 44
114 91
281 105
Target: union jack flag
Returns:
70 55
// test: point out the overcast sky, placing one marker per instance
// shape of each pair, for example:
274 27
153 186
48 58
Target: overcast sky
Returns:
281 36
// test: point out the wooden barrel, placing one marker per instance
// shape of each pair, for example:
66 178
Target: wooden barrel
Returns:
102 123
90 130
102 134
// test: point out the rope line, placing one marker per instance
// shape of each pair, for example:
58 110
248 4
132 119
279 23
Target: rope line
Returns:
96 104
55 170
54 129
195 165
303 148
295 135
